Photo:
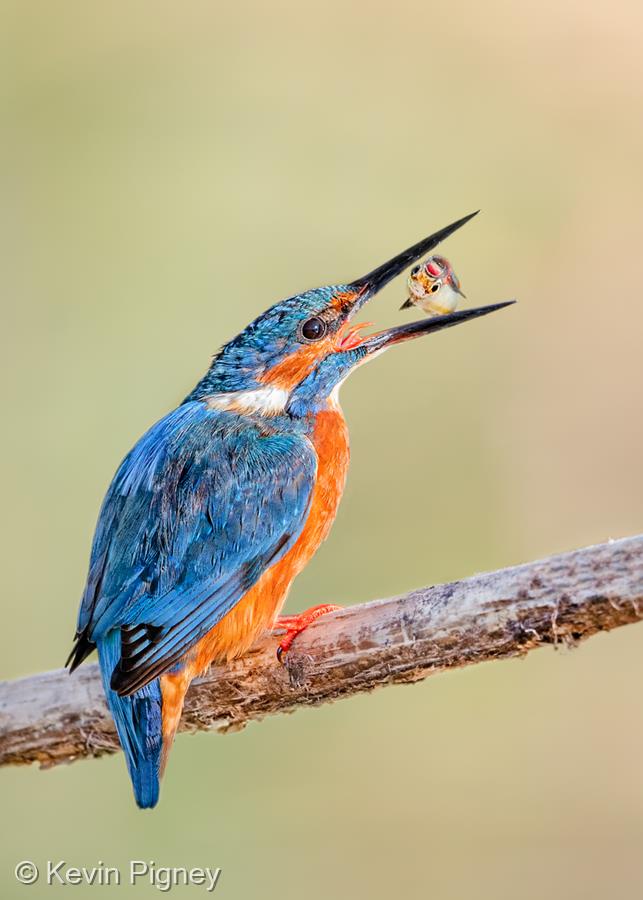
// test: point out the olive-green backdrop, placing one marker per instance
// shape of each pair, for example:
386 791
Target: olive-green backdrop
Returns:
170 169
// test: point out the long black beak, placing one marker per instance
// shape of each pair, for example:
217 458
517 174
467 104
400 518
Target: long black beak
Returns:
370 284
383 339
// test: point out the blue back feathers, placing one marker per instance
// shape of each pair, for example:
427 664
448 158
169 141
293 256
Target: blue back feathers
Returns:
195 514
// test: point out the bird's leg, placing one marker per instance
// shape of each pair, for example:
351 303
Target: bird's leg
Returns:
294 625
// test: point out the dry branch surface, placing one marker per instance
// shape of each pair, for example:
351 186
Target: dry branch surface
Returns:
53 718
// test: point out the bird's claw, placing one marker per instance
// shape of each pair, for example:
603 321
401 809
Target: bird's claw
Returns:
294 625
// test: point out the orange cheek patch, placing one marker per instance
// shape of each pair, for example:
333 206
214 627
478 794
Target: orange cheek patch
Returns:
345 298
294 368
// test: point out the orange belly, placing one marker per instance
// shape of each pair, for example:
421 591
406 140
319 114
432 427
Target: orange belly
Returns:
258 609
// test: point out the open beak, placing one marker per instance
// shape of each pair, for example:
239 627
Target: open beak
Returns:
366 287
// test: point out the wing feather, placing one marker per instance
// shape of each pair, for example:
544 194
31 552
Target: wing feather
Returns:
203 504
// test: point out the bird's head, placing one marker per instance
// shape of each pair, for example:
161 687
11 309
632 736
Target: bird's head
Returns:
294 355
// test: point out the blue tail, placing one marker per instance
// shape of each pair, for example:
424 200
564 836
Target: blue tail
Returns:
138 722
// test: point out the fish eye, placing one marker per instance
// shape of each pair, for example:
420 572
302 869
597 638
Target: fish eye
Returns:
434 268
415 270
435 287
313 329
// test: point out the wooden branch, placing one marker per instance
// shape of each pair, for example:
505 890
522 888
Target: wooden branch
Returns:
53 718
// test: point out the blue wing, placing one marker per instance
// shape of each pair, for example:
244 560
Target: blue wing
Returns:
198 510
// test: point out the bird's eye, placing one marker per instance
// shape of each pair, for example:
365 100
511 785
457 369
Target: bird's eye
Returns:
415 270
435 287
313 329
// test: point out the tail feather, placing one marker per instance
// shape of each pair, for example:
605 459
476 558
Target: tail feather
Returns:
82 648
139 724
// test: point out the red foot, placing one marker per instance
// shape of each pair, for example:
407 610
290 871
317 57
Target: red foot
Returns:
294 625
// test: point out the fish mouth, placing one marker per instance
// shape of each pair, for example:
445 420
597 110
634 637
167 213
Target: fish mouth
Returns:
363 289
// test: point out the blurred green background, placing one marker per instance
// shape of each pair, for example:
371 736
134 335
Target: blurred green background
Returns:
169 170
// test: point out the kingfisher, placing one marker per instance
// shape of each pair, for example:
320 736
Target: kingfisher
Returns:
223 502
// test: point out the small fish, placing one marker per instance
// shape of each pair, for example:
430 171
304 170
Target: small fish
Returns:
434 287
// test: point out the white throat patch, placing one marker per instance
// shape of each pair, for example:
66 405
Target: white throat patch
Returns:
266 401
